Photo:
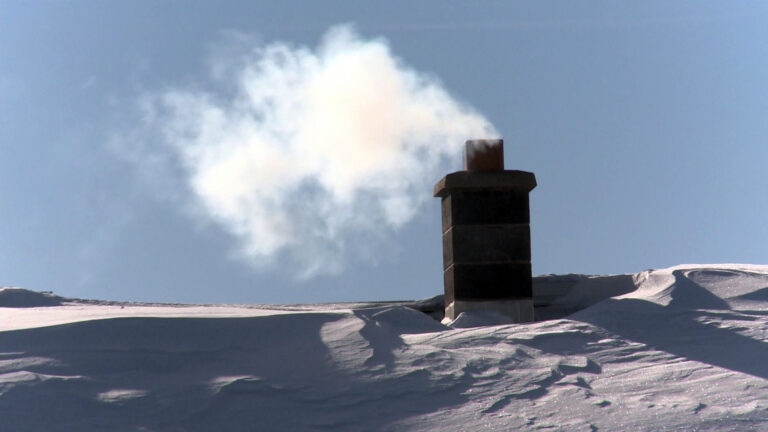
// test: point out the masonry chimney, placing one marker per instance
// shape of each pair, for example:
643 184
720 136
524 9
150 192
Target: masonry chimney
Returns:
486 235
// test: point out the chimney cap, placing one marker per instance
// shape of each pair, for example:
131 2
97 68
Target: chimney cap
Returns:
488 180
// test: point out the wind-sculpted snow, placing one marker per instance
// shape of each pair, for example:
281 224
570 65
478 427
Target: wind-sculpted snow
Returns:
18 297
683 348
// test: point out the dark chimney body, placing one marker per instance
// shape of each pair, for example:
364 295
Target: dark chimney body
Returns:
486 235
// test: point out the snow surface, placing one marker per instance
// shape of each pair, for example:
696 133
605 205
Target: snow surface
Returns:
678 349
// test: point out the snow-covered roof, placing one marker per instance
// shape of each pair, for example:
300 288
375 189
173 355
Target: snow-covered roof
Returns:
682 348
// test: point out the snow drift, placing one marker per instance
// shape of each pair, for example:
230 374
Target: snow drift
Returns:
682 348
19 297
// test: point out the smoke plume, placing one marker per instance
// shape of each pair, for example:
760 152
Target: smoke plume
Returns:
301 153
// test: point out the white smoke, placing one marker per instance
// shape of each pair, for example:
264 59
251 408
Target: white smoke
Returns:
300 151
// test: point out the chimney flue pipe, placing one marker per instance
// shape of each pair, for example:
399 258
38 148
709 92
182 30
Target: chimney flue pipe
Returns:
486 235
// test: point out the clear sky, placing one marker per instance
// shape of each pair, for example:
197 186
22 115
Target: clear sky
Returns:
646 124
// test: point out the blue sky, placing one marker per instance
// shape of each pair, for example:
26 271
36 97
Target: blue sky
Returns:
646 124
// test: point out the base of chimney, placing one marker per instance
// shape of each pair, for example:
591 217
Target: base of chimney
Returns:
519 311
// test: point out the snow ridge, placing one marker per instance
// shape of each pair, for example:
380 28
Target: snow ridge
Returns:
19 297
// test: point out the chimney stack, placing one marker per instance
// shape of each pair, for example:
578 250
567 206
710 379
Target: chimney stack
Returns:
486 235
